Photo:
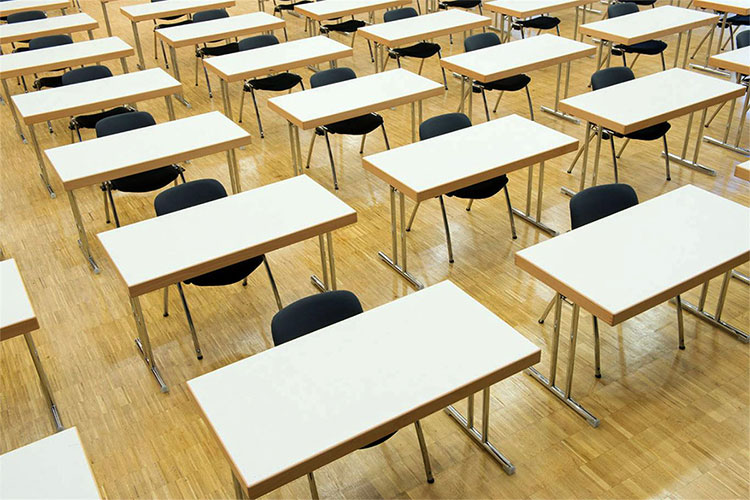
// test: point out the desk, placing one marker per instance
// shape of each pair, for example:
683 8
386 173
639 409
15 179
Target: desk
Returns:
428 368
339 101
74 23
53 467
725 7
158 10
648 24
510 59
649 270
91 162
738 61
152 254
217 29
659 97
88 97
742 171
414 29
17 318
522 9
62 56
436 166
16 6
335 9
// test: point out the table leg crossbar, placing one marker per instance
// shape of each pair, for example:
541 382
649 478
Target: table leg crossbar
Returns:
324 285
393 262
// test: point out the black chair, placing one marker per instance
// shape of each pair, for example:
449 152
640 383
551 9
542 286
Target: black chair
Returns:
274 83
280 8
22 17
318 311
619 74
160 25
510 84
649 47
143 182
348 27
644 3
86 74
421 50
44 42
211 50
359 125
540 23
743 39
460 4
189 195
444 124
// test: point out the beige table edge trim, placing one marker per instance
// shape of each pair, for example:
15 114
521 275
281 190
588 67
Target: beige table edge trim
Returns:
276 25
603 35
422 36
177 11
106 56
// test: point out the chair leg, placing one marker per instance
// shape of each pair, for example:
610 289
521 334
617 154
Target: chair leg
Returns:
257 112
510 213
164 53
385 136
468 206
666 157
614 156
445 80
624 60
484 99
597 358
78 132
413 215
309 151
362 144
49 127
208 84
557 28
313 486
242 103
447 230
531 106
166 301
106 203
680 326
421 65
369 47
497 103
190 321
112 202
330 158
624 144
547 310
663 63
425 454
273 284
197 64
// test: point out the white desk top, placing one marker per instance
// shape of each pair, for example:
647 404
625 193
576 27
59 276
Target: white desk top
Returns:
658 97
742 171
16 313
648 24
425 169
516 57
219 29
424 27
43 27
528 8
157 252
52 58
53 467
627 263
333 9
344 100
276 58
155 10
326 394
91 162
15 6
70 100
741 7
737 60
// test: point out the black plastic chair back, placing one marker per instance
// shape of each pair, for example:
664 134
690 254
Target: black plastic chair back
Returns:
43 42
313 313
256 42
398 14
29 15
743 39
621 9
443 124
85 74
188 194
480 41
598 202
123 123
209 15
611 76
333 75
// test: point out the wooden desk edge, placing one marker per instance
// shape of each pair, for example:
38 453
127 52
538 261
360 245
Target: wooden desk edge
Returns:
276 25
737 67
434 34
60 30
116 54
175 12
720 7
742 172
595 33
350 12
63 4
19 328
533 12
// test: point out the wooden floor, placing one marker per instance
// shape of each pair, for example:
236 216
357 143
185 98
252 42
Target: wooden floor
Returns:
674 423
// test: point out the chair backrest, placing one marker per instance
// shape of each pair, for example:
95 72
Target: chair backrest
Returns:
188 194
22 17
313 313
43 42
443 124
598 202
611 76
333 75
743 39
209 15
621 9
256 42
124 122
85 74
397 14
480 41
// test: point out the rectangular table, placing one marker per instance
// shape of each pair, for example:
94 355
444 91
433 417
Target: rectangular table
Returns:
159 10
433 167
190 35
60 25
737 61
684 238
725 7
517 57
335 9
415 29
631 106
348 99
17 317
155 253
16 6
300 385
91 96
523 9
53 467
89 163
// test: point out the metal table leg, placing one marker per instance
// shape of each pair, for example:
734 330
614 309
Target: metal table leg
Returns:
682 160
324 285
13 111
40 159
144 343
705 66
526 216
176 72
138 48
83 241
106 18
393 263
554 111
585 149
44 380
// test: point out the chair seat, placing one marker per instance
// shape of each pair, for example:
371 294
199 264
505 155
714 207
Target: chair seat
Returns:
20 49
421 50
359 125
481 190
289 6
649 47
227 275
48 82
510 84
170 25
219 50
639 2
461 4
539 22
349 26
379 441
89 121
739 20
649 133
145 182
274 83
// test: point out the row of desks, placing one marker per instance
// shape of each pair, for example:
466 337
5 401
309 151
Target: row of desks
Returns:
15 6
